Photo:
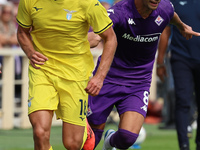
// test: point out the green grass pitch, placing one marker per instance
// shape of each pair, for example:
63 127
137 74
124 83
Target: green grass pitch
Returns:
21 139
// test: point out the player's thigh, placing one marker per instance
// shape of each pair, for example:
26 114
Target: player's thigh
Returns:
132 110
73 133
73 102
101 105
42 93
131 121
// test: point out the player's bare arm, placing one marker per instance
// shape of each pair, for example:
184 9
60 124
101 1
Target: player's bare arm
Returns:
185 30
162 47
93 39
24 39
110 44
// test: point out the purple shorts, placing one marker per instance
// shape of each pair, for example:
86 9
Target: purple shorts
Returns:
124 98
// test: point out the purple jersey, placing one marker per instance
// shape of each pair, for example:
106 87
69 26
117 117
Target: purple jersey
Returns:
137 41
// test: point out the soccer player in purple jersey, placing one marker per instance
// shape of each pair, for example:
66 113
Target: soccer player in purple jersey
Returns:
138 25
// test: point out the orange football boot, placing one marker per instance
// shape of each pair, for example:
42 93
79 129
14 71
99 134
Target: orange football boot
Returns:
90 141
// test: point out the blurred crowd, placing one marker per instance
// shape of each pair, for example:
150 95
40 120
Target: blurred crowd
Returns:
8 37
8 28
8 24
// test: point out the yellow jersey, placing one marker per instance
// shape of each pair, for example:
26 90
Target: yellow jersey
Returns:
59 31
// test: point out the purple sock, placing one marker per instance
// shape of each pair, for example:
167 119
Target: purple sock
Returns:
123 139
98 134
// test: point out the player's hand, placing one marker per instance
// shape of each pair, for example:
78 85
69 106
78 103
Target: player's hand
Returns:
94 86
37 58
161 72
187 31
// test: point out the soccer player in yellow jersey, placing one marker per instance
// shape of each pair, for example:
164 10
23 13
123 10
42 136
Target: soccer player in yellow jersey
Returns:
53 34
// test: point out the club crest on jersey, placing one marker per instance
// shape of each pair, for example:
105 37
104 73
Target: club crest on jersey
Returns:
89 112
159 20
29 101
69 14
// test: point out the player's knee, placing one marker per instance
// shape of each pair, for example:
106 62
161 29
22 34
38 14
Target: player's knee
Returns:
126 139
41 134
72 144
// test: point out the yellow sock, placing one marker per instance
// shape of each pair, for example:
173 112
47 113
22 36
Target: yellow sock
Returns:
51 148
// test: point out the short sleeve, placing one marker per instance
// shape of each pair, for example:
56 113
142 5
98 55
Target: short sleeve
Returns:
98 18
23 15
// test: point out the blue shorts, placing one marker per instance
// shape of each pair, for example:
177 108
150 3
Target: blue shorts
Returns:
124 98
